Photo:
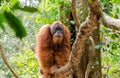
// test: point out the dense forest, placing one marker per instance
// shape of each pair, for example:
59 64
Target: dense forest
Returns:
95 32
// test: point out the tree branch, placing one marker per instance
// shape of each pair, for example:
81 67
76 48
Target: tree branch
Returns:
73 8
85 30
64 71
83 34
6 62
91 57
110 22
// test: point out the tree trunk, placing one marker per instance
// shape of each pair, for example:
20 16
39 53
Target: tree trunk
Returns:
96 73
85 60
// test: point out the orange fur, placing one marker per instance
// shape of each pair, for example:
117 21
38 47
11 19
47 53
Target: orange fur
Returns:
48 58
57 40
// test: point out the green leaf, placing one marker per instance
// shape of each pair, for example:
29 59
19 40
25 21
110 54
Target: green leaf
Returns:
1 21
102 1
1 26
15 24
16 5
29 9
0 1
117 10
116 1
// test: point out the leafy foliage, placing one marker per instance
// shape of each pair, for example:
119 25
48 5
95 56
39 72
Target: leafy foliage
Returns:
110 42
15 24
11 19
26 61
110 55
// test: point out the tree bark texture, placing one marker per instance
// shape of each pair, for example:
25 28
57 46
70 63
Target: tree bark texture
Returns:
85 63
